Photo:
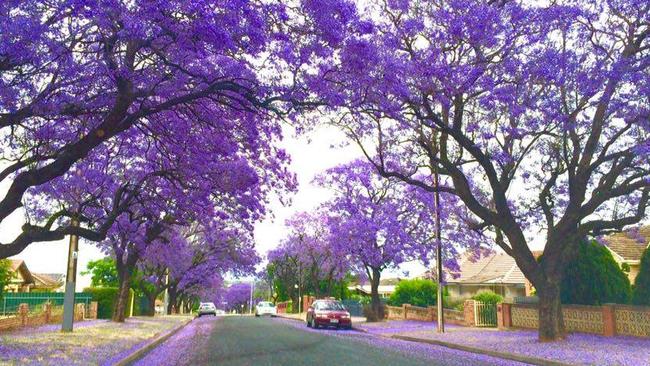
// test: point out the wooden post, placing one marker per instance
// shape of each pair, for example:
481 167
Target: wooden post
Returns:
47 310
23 311
405 310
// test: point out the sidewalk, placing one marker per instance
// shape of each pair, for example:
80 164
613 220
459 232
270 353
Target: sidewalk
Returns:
98 343
522 345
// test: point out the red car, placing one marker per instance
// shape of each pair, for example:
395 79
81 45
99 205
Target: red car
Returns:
328 313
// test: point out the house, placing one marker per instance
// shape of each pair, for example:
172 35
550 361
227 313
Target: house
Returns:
496 272
627 248
23 280
48 282
386 287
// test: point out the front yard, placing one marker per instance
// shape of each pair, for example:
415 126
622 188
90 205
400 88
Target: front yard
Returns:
96 342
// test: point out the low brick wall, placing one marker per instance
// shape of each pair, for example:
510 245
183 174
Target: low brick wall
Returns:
428 314
608 320
47 315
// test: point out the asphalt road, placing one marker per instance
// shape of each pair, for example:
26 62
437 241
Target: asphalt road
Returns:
263 341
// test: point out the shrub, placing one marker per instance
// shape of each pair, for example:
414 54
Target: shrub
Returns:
106 298
594 278
642 281
417 292
488 297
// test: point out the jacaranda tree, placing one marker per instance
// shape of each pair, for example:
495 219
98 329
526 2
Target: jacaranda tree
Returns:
534 114
76 75
379 223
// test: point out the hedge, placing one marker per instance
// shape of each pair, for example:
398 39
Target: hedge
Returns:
106 298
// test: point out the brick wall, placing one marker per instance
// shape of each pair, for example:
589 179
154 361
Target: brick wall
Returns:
607 320
430 314
45 315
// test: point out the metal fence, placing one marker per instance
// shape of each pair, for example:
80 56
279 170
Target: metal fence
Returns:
11 301
485 315
354 307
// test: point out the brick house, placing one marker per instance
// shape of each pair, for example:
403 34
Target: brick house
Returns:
627 249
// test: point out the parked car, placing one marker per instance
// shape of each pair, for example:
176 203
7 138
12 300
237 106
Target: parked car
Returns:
328 313
265 308
207 308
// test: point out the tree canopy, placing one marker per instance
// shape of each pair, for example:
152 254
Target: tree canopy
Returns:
594 278
642 281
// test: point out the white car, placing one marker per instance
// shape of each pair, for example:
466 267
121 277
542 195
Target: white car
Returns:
265 308
207 308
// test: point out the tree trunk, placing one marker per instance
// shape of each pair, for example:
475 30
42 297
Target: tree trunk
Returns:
122 296
551 321
377 313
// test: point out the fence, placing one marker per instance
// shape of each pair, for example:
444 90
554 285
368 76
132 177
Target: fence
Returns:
45 314
608 320
11 301
354 307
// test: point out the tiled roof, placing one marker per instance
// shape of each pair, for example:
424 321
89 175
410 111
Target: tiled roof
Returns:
494 268
49 279
627 246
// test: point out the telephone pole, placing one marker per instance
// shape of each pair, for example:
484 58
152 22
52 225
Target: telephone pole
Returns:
70 279
436 202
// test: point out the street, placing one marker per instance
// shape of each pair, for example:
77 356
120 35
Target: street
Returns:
265 341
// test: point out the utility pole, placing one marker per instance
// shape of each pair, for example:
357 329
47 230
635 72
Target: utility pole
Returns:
436 202
250 309
166 296
70 278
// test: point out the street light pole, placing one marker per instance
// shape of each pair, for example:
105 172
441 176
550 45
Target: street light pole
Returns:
436 201
250 308
70 278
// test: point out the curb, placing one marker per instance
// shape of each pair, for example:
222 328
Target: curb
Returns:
139 353
503 355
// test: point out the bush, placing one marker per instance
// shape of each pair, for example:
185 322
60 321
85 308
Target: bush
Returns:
488 297
594 278
106 298
642 281
417 292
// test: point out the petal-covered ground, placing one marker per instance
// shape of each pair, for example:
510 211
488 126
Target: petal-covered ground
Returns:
577 349
428 351
92 342
179 349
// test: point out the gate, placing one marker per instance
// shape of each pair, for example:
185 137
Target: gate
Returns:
485 315
354 307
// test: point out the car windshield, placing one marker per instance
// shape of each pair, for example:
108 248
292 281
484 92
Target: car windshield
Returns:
331 305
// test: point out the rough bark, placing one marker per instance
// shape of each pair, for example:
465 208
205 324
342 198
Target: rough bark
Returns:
377 311
551 321
122 296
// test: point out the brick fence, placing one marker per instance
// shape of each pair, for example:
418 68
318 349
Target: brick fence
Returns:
608 320
410 312
47 315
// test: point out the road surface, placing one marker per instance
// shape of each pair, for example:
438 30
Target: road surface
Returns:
239 341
